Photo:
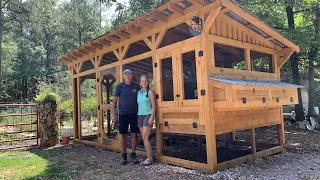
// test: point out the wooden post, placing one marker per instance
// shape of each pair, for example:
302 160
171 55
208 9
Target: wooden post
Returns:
248 59
206 112
79 108
99 107
281 133
108 111
253 141
75 108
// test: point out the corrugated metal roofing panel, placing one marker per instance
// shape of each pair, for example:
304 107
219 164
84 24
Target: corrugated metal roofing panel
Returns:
254 83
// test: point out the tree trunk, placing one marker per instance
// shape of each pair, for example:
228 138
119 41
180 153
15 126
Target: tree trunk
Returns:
295 69
311 89
312 59
1 27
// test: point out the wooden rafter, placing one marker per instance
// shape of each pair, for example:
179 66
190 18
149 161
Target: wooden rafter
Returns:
224 10
83 51
89 48
159 16
176 9
123 35
97 46
69 55
112 38
245 29
235 8
104 42
144 23
132 29
211 18
198 2
77 54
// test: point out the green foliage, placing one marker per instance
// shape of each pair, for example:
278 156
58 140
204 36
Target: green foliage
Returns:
65 106
46 96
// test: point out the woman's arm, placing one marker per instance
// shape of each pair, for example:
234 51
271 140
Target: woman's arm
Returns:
154 106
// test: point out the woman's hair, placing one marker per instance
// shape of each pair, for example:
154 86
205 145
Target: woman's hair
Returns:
144 76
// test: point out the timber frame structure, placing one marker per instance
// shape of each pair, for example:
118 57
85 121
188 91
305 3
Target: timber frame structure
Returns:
199 89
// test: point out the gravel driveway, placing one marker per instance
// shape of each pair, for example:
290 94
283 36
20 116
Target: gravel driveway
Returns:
301 160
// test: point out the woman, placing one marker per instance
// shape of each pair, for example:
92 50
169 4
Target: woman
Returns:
146 111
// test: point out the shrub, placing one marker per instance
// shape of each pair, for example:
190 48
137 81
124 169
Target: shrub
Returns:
46 96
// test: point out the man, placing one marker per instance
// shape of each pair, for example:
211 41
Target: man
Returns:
126 94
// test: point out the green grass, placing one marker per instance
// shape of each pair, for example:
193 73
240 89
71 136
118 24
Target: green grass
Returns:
34 164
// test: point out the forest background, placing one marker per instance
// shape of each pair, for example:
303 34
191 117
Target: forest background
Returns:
34 33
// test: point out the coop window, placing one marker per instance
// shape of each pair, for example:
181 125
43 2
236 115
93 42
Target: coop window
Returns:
229 57
189 75
261 62
167 79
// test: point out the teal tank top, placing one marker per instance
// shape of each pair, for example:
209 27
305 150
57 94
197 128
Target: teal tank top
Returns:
144 103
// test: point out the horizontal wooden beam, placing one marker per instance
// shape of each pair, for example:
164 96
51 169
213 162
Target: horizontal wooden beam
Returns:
243 159
240 44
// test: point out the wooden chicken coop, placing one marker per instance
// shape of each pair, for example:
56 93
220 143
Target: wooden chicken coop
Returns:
214 67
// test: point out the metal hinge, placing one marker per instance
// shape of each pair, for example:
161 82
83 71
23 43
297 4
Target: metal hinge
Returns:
200 53
244 100
97 79
194 125
203 92
98 107
157 96
155 64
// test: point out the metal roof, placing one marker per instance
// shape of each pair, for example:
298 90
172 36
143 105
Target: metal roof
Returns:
254 83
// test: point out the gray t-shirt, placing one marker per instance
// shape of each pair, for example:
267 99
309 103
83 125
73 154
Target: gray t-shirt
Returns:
127 98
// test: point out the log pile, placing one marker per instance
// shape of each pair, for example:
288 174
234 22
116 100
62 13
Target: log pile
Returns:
48 124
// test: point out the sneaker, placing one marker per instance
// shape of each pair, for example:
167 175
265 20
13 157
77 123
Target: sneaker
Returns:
123 160
146 162
134 159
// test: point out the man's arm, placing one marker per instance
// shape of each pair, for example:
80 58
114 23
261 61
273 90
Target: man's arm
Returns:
114 107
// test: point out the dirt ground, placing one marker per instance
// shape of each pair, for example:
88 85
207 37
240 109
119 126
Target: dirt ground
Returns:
300 160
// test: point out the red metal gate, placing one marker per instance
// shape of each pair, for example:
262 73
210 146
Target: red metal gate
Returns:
18 125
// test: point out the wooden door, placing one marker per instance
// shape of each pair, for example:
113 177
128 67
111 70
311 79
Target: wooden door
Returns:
167 81
188 75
